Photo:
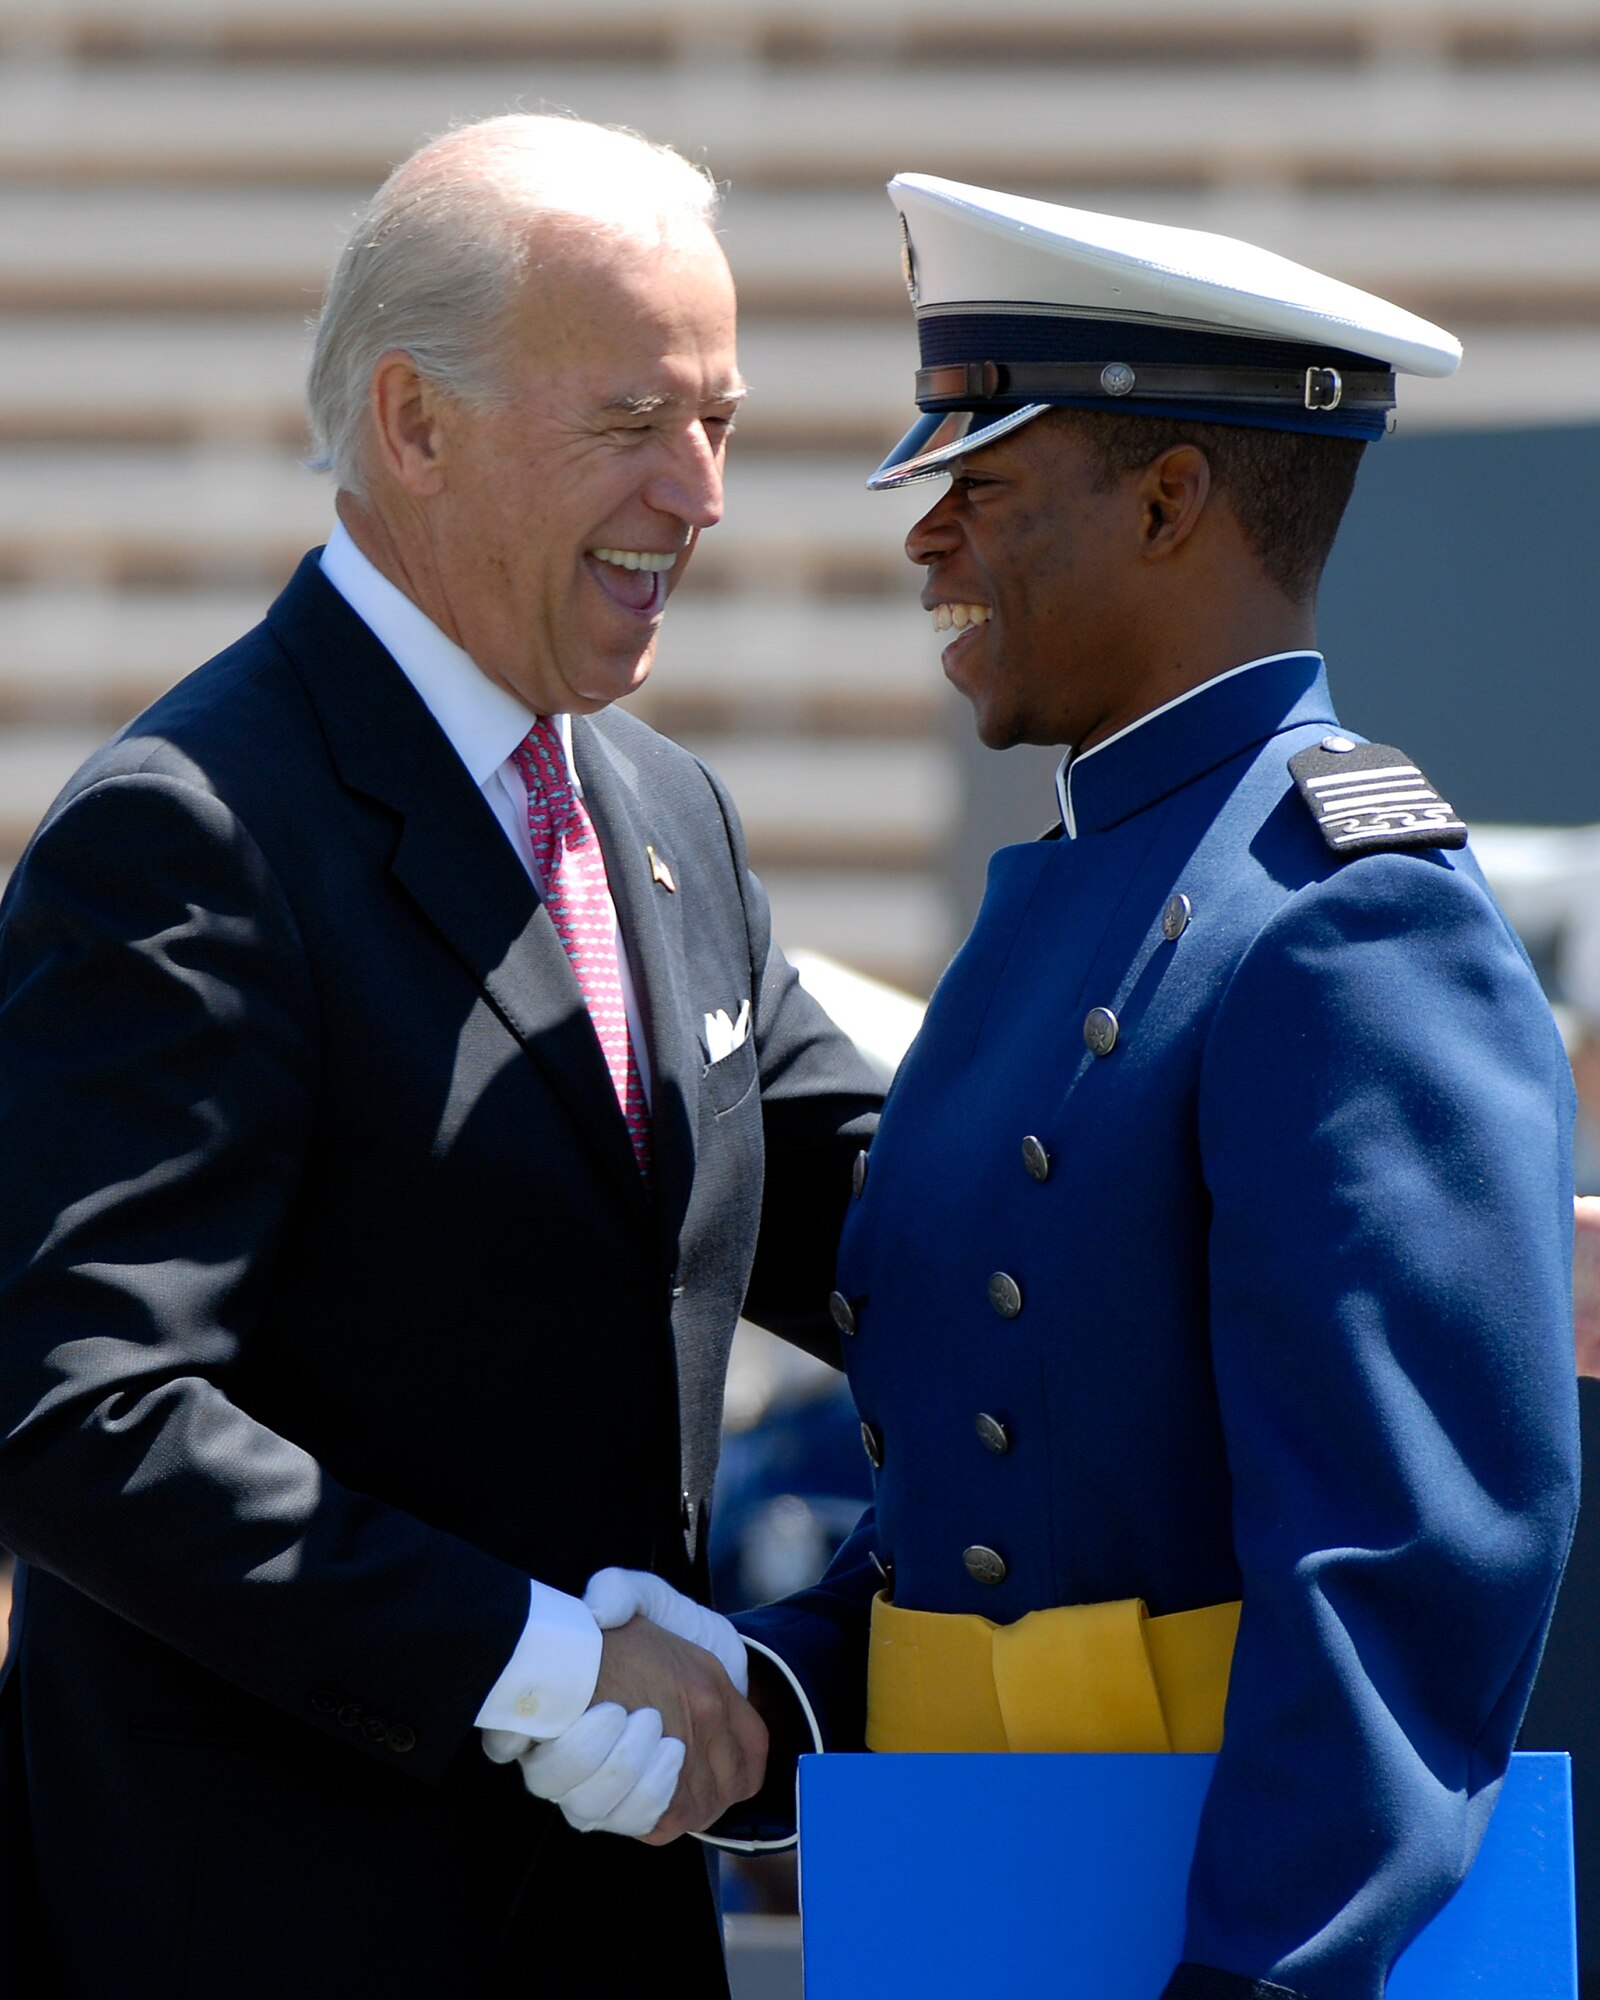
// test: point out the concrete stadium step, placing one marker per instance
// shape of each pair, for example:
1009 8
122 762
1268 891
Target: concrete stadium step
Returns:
889 923
149 380
773 663
769 663
133 248
695 28
93 658
896 927
825 125
34 765
248 252
805 805
161 379
229 515
841 805
849 841
828 721
152 379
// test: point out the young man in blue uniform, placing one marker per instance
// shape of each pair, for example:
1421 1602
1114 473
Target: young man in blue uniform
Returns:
1206 1293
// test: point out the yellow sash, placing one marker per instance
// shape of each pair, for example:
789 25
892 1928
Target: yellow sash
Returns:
1077 1677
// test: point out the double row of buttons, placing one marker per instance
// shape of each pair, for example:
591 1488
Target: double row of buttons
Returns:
993 1435
1101 1031
1101 1027
983 1564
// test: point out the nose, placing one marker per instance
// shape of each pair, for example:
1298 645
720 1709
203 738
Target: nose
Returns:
935 534
690 487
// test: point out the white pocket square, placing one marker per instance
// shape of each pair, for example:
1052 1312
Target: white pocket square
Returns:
724 1036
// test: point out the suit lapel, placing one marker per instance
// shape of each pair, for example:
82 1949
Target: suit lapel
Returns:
652 922
504 934
453 860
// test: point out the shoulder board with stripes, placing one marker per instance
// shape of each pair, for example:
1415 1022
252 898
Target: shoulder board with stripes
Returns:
1369 798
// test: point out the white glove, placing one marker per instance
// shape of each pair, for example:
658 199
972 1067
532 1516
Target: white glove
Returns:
616 1595
612 1772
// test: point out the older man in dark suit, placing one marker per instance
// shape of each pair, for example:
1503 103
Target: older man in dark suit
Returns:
399 1095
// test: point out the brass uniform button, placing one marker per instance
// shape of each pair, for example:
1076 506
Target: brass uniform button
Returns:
1100 1030
872 1444
984 1565
844 1314
858 1175
1035 1158
1175 917
992 1433
1005 1295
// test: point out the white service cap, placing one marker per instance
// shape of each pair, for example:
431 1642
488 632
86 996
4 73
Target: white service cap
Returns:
1023 306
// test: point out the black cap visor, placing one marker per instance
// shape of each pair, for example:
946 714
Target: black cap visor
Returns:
939 437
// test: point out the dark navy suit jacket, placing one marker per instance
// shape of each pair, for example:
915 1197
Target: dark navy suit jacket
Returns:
1295 1319
333 1306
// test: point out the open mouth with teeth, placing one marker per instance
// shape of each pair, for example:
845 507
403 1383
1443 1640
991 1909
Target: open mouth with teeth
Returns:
635 579
957 617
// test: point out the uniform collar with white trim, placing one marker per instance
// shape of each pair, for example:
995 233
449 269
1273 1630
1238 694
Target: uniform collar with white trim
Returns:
1187 736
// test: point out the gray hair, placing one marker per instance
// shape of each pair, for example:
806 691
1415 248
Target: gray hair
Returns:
433 262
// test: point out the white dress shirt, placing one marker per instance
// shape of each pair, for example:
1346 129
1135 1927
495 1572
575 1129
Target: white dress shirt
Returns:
550 1678
483 722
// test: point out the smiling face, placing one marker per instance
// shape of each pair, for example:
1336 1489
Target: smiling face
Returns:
1033 562
548 528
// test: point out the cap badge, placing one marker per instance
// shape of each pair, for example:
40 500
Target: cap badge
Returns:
908 261
1117 378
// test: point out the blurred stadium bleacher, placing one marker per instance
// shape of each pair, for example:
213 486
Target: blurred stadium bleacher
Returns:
176 176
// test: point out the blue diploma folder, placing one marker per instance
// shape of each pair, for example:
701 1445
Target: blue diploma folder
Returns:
925 1876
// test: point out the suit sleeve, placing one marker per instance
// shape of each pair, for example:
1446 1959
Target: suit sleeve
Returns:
1384 1125
158 1088
820 1634
819 1108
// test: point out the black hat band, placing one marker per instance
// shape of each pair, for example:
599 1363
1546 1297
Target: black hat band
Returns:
961 385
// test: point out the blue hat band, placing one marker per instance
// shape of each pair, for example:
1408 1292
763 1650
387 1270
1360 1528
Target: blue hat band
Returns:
956 333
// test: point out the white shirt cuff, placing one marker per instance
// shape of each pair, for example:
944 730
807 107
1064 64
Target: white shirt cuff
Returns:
550 1679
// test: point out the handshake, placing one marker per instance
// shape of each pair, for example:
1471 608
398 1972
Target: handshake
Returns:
669 1742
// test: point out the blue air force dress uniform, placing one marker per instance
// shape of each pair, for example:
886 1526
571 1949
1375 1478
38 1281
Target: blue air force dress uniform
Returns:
1209 1271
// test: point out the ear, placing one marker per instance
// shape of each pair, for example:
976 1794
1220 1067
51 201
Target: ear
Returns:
1173 492
410 425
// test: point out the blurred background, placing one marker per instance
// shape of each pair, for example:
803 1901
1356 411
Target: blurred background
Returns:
176 177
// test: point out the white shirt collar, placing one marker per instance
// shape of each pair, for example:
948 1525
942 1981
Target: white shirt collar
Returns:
1070 763
483 721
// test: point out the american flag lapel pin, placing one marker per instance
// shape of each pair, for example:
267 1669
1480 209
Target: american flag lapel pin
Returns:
660 872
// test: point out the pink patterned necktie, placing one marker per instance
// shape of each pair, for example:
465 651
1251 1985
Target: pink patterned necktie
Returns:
574 874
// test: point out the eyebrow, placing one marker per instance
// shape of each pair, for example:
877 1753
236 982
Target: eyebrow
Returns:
642 405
